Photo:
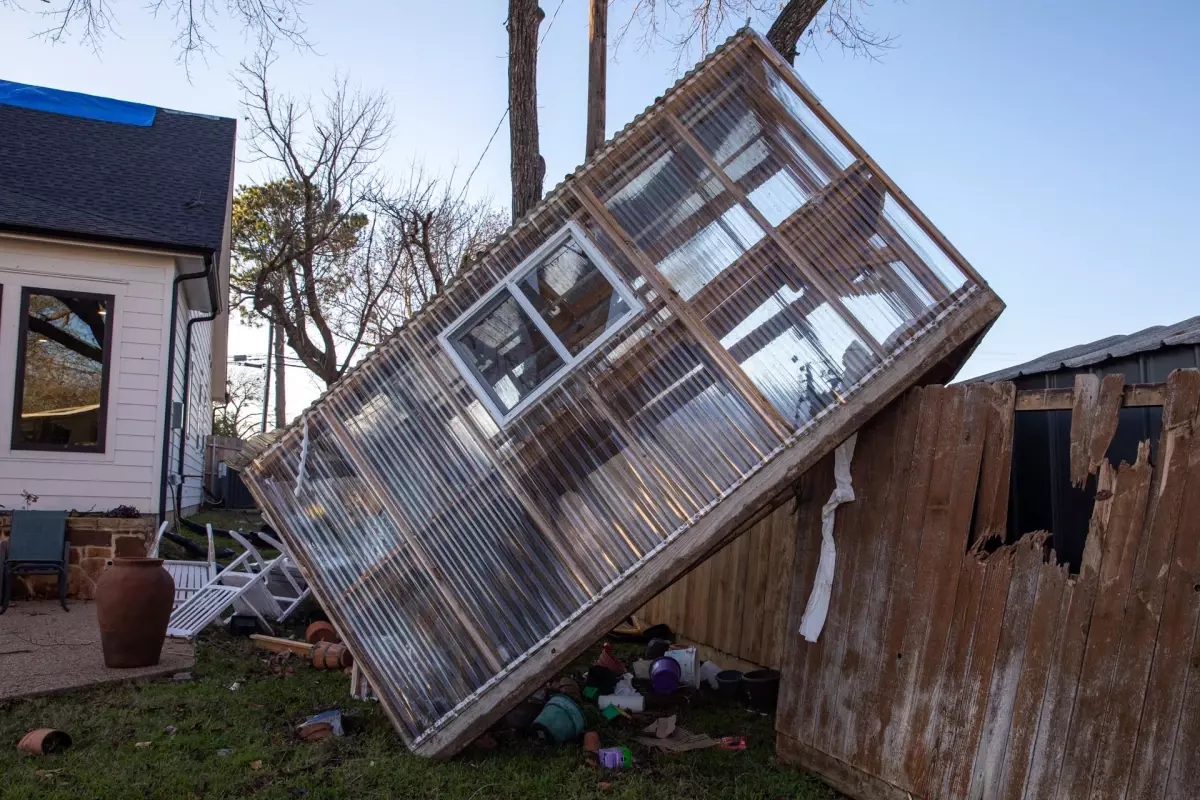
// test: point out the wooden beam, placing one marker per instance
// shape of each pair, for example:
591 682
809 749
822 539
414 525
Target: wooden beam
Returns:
789 76
731 370
597 67
798 260
1136 395
721 518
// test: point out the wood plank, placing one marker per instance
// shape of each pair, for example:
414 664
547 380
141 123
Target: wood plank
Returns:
1093 422
779 586
1039 648
1174 661
1122 517
1135 395
901 433
1118 731
845 778
984 763
799 686
902 580
858 534
722 520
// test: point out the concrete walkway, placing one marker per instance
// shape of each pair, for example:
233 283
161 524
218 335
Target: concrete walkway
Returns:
45 650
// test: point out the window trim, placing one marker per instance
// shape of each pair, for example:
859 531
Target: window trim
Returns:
509 283
15 443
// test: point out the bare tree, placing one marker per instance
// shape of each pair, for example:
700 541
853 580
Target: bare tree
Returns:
297 237
243 394
423 235
195 21
690 25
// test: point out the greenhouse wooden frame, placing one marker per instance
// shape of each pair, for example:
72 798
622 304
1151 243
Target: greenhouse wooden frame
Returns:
783 290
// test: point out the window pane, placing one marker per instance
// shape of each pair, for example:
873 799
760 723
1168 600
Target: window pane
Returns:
507 352
62 395
573 297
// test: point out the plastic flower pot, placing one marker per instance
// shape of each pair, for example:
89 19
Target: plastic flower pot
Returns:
729 682
664 675
762 688
561 720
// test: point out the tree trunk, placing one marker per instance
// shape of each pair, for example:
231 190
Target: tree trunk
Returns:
597 77
791 24
528 168
280 384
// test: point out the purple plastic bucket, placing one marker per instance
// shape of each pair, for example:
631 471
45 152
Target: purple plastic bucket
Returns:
664 675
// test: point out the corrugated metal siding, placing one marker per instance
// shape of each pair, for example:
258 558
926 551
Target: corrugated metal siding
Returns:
450 548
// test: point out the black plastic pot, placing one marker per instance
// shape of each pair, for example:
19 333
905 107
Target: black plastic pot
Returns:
762 688
729 682
657 648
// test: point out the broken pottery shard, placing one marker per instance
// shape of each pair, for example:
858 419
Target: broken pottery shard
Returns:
646 360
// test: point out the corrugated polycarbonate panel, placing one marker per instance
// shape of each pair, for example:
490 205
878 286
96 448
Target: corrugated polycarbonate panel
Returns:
447 547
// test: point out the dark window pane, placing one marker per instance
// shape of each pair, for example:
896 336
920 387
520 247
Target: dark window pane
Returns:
62 380
573 297
506 351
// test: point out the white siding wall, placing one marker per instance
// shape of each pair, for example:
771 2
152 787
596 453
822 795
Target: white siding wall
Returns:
126 473
199 408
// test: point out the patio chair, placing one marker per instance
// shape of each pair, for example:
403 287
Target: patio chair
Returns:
295 590
37 545
189 576
242 585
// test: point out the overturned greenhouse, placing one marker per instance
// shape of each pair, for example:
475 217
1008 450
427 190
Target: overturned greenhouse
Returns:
630 374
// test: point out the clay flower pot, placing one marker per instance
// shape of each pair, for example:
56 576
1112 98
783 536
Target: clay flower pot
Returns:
133 605
44 742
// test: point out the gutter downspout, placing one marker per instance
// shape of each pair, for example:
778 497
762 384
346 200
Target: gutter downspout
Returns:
208 273
187 376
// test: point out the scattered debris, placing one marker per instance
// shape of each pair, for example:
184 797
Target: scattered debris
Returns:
142 745
243 625
615 757
233 687
44 742
321 726
182 676
256 764
732 743
657 648
170 730
641 668
686 658
610 661
47 773
326 655
321 632
225 752
591 742
664 675
708 674
561 720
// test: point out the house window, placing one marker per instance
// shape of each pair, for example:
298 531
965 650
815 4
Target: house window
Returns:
546 316
63 355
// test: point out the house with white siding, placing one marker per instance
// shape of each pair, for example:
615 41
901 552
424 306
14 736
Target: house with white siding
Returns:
114 270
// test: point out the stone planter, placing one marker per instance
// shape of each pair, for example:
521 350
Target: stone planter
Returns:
94 543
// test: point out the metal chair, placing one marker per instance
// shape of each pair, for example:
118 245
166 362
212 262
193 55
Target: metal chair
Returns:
37 545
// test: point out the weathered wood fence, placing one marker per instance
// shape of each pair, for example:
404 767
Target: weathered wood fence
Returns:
953 667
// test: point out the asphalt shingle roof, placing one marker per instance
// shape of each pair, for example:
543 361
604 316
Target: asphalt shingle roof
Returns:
164 184
1186 332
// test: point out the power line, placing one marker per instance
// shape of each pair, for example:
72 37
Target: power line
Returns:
504 116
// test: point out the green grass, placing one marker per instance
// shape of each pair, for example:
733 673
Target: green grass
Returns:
257 723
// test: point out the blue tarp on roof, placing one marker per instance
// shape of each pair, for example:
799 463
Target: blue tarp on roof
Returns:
76 104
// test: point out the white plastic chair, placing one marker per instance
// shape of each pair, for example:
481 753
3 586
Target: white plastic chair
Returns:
189 576
242 585
295 587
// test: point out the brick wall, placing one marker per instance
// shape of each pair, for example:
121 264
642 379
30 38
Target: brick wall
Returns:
94 542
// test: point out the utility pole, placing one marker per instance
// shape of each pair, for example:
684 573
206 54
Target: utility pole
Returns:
597 68
280 379
267 374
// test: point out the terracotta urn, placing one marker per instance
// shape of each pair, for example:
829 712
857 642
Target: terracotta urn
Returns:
133 605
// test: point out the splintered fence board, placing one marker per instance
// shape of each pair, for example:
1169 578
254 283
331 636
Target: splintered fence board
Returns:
1029 682
633 374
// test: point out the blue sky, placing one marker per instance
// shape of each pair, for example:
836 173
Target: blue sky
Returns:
1053 143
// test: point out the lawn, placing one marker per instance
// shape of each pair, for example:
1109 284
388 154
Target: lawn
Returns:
220 736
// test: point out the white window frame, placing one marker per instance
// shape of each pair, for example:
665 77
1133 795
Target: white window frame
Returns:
572 231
